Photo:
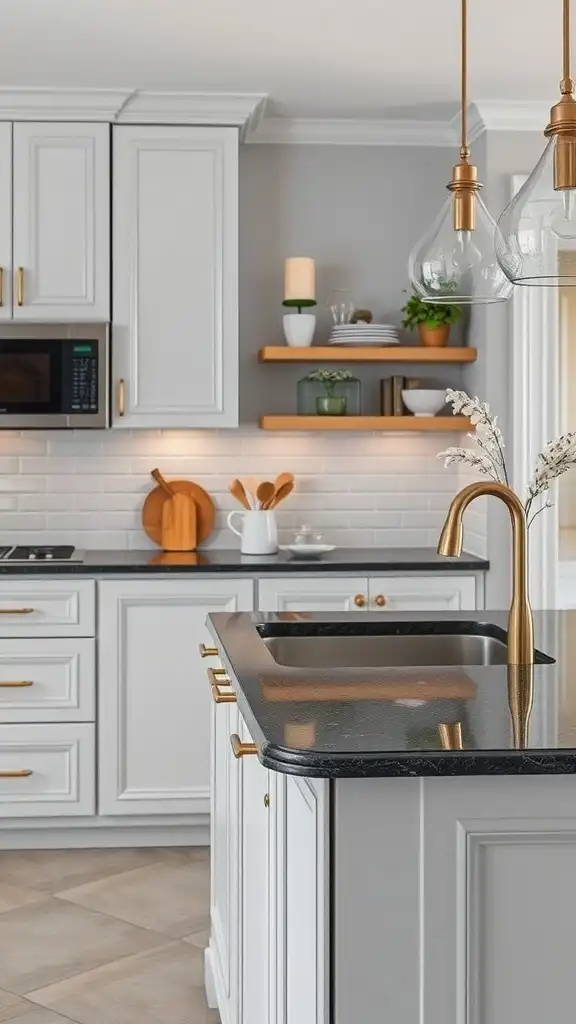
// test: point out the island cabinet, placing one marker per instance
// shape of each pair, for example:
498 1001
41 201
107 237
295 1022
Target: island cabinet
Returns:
326 593
175 276
154 697
267 959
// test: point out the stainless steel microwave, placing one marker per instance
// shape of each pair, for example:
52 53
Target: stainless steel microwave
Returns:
54 376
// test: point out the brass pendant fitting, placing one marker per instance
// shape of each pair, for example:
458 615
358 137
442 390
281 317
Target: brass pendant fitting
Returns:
464 186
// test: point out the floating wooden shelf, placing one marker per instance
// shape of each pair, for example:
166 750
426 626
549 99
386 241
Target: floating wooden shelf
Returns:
364 354
454 424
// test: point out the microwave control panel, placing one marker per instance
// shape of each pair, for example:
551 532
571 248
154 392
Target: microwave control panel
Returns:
80 371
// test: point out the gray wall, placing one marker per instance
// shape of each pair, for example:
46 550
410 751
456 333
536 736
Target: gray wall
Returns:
357 210
499 155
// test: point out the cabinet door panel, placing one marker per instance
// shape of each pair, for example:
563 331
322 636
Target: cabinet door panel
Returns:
422 593
62 221
154 697
175 276
316 594
255 871
5 221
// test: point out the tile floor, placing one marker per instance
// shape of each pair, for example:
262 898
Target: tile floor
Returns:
104 936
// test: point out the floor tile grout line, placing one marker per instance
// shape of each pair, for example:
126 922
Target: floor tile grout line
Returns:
113 917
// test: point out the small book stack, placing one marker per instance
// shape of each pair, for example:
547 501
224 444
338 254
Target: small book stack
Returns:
391 389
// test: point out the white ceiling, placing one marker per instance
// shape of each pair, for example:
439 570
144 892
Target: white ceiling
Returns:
315 58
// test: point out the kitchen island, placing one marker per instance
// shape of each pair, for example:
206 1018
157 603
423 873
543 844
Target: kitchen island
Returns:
364 867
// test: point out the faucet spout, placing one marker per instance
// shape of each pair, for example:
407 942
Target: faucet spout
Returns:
520 623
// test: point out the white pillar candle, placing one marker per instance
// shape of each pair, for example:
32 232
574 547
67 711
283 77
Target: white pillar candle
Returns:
299 278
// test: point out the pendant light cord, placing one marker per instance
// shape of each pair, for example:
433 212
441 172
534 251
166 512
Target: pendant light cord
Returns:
566 85
464 148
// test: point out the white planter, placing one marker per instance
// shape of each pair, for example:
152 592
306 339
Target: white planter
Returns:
299 329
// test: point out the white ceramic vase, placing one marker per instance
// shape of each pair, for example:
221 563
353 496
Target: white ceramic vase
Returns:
258 533
299 329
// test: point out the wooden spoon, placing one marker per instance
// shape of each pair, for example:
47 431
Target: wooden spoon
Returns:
283 478
237 491
265 493
280 494
157 476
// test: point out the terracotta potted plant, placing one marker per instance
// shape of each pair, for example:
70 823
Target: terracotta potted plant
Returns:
432 320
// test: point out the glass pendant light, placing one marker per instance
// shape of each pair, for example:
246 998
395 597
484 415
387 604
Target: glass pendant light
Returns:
455 261
540 221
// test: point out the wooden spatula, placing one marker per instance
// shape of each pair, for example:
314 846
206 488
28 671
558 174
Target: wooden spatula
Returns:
237 491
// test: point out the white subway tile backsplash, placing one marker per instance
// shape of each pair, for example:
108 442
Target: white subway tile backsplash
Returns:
88 488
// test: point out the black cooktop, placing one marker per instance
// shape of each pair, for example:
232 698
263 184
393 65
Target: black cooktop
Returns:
40 553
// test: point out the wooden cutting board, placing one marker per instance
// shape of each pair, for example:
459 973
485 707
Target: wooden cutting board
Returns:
152 510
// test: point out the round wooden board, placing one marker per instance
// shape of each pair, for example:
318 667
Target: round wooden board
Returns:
152 510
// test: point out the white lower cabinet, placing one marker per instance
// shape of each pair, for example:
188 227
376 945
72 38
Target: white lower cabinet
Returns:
154 698
326 593
47 680
267 961
46 770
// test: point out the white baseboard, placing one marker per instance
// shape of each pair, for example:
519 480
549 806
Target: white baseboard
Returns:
209 983
58 834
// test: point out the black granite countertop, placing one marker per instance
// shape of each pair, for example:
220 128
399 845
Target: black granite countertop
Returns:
231 562
384 721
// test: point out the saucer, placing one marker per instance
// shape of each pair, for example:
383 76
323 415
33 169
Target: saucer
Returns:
308 550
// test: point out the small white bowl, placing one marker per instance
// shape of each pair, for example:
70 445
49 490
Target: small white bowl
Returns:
422 402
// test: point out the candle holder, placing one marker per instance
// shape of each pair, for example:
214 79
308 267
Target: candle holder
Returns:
299 327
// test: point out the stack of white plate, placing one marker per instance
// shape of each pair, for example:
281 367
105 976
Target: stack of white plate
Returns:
365 334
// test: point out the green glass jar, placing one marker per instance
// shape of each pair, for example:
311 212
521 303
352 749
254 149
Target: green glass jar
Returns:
310 390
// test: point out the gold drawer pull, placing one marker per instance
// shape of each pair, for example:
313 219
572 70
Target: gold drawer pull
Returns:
15 773
359 600
20 285
18 683
208 652
121 397
240 749
1 286
217 675
380 600
17 611
223 698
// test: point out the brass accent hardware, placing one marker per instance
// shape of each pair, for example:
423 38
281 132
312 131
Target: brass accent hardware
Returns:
240 749
208 652
121 396
266 800
520 700
520 624
217 675
464 183
20 285
380 600
450 734
359 600
17 611
563 116
1 286
19 683
223 698
15 773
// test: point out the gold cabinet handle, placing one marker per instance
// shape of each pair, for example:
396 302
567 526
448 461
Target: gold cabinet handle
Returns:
359 600
240 749
18 683
223 698
121 396
217 675
208 652
1 286
15 773
20 285
380 600
17 611
266 800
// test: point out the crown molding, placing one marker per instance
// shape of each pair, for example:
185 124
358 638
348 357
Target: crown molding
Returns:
33 104
350 132
241 110
503 116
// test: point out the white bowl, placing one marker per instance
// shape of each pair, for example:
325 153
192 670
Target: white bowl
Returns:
422 402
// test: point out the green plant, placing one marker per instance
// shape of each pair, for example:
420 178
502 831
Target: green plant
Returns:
434 314
299 304
330 378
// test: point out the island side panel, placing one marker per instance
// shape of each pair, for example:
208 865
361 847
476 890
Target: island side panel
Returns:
376 864
454 899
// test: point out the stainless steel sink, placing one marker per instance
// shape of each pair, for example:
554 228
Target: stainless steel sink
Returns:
390 646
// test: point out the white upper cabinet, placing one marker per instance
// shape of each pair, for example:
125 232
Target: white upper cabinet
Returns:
175 276
5 221
61 211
